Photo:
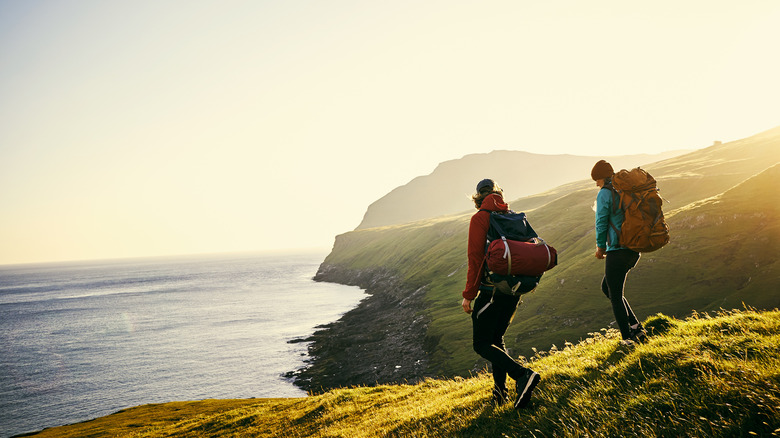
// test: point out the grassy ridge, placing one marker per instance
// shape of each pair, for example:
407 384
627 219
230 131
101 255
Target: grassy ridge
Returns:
711 375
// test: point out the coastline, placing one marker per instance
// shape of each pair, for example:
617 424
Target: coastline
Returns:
380 341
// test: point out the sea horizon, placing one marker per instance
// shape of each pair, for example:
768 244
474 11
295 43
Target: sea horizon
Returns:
281 252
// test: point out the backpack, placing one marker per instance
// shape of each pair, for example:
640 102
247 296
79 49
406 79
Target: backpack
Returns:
644 228
515 257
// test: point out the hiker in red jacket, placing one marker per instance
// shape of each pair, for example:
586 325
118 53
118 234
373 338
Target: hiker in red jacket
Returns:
492 312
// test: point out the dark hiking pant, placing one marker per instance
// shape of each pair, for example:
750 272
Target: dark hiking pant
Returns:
491 317
618 263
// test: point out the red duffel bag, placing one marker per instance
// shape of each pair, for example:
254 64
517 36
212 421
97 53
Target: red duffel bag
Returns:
513 257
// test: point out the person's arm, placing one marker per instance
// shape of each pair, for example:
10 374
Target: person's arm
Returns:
603 206
478 228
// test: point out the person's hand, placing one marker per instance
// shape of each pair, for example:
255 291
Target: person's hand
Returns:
600 253
466 305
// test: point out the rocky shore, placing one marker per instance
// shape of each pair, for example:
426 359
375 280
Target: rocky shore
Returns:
381 341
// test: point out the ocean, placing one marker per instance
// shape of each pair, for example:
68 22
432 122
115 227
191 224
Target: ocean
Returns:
81 340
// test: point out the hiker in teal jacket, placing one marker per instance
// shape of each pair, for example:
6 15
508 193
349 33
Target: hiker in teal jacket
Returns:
619 260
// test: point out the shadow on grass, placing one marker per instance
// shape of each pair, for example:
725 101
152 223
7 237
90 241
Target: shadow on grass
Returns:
552 400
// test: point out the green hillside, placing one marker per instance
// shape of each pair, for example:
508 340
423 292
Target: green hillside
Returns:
711 375
722 208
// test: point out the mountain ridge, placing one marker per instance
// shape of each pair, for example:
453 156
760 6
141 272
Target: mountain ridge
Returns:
442 192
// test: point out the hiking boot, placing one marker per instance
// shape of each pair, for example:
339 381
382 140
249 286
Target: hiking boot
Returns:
638 334
525 385
627 343
500 396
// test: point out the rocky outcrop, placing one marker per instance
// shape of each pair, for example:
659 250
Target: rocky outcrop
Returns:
381 341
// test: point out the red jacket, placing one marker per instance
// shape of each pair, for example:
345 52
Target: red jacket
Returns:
478 229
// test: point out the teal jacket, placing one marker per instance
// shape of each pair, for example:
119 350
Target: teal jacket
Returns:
606 214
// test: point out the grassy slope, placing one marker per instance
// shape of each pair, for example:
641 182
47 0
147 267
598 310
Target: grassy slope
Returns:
711 261
712 375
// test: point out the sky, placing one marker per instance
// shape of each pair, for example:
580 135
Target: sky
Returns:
148 128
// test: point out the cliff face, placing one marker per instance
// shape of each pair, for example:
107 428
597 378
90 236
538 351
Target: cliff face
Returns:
380 341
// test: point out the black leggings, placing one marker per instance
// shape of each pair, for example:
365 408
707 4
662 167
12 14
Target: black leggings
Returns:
490 318
618 263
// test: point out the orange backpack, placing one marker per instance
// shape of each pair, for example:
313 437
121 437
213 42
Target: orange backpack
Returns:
644 228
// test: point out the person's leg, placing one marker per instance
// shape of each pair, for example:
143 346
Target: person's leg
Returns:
490 321
605 288
617 265
499 375
608 286
632 321
632 258
500 392
638 333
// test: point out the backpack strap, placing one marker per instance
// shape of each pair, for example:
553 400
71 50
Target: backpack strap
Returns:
494 225
484 258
